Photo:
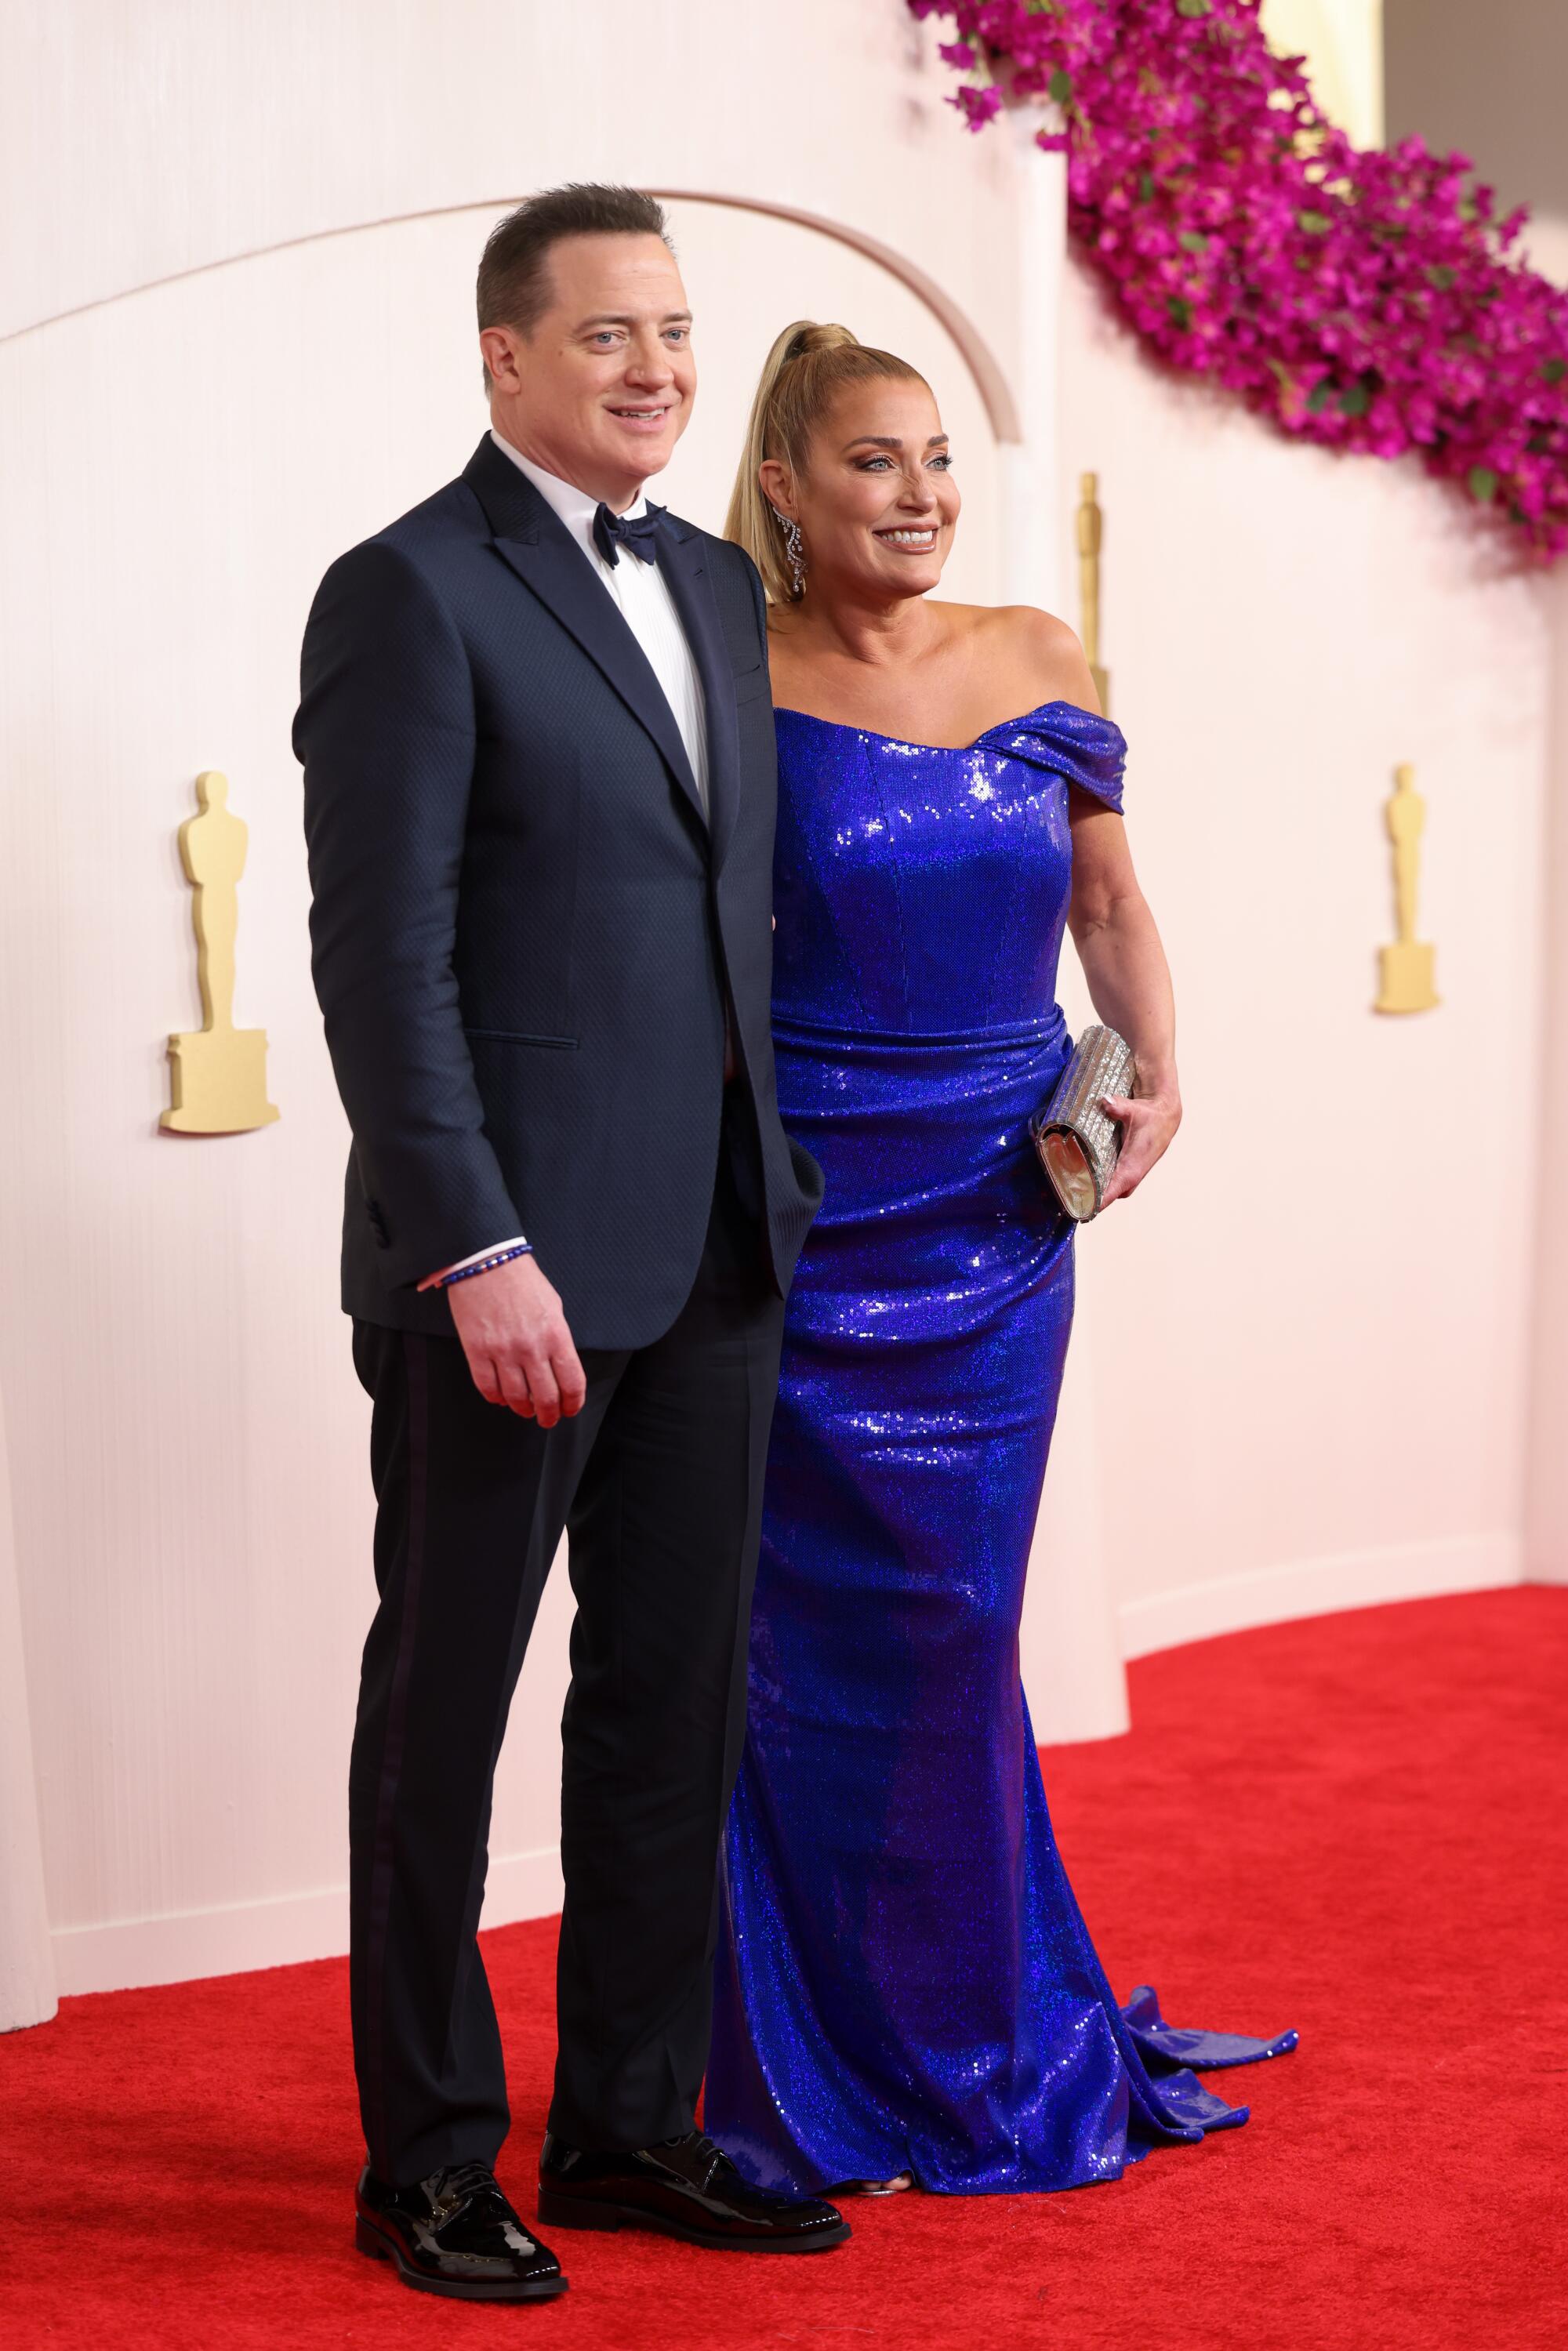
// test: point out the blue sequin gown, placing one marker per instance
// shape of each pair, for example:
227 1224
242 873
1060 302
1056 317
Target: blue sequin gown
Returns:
904 1981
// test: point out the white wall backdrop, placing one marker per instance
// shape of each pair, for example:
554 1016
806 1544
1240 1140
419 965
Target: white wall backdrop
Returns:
1300 1375
139 141
1546 1502
1311 1337
26 1958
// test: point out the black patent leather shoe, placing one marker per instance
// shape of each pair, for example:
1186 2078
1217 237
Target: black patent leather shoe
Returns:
685 2187
454 2233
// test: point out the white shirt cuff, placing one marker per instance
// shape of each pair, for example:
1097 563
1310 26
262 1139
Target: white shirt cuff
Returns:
433 1281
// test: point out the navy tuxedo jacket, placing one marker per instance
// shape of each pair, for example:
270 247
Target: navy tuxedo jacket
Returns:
523 928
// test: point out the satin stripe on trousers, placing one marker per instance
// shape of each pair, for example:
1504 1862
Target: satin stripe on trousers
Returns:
658 1483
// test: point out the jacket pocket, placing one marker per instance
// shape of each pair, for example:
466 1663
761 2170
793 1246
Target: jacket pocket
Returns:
520 1037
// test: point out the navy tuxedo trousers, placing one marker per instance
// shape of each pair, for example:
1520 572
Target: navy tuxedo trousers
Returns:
658 1483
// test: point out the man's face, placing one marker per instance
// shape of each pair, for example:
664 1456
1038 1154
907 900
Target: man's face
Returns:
599 390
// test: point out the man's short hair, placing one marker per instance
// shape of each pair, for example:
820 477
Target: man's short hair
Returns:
514 288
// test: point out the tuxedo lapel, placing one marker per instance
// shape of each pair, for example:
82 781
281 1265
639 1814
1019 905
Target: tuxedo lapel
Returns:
685 562
539 548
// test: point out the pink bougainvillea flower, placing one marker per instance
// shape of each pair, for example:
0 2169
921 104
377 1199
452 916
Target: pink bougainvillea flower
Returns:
1371 299
977 106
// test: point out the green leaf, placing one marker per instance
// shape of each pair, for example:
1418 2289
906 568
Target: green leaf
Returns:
1314 223
1483 483
1193 7
1442 278
1145 185
1318 398
1192 240
1553 371
1356 400
1181 312
1060 86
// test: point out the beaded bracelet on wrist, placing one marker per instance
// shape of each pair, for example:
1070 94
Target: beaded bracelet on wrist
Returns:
485 1264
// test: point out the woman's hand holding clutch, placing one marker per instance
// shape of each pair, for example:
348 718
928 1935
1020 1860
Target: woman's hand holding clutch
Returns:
1148 1121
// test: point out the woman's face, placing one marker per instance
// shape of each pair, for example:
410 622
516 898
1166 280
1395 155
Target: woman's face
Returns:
877 502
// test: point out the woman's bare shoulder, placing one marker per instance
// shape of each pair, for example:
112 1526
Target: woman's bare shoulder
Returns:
1035 643
1023 626
1036 632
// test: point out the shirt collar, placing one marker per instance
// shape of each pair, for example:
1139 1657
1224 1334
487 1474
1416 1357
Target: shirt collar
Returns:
574 506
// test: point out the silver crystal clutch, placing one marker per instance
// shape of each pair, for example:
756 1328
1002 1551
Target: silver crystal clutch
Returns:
1077 1142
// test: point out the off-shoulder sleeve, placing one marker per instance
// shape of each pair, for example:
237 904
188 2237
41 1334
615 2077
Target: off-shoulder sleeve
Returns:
1090 751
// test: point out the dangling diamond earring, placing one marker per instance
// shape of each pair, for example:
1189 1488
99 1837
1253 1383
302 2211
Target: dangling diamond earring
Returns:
792 555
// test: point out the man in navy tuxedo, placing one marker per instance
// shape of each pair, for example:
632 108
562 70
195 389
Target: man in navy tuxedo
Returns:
538 742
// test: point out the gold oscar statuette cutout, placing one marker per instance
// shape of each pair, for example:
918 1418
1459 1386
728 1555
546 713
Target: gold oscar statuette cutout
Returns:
217 1073
1091 529
1404 969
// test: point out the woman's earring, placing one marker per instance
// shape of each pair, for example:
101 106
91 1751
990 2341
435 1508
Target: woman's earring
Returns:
792 555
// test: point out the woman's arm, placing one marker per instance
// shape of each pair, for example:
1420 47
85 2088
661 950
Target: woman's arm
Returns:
1129 983
1112 926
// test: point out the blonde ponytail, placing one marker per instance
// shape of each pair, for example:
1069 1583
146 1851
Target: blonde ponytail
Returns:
808 366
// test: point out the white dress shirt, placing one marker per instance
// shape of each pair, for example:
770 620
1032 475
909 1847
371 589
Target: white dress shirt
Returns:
642 594
646 604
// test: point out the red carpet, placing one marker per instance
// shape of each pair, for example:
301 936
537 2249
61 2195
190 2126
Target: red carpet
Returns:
1358 1825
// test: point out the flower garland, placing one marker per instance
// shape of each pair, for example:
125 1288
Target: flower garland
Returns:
1370 299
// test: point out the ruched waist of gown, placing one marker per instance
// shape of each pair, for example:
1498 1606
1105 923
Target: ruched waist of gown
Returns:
1042 1033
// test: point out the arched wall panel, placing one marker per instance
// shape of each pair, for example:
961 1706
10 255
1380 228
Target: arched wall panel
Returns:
192 1497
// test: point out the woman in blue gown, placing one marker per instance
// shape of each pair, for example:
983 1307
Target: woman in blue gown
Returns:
906 1989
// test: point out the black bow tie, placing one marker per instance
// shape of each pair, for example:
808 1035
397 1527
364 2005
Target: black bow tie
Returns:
611 532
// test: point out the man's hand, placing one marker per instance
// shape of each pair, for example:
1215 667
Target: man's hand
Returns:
518 1347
